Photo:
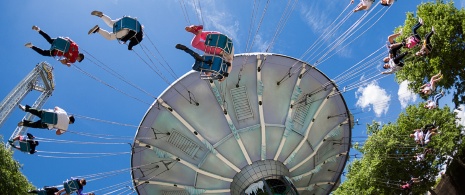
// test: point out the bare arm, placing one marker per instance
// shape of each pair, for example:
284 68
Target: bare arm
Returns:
65 62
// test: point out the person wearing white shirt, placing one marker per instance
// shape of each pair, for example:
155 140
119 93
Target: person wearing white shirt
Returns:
49 119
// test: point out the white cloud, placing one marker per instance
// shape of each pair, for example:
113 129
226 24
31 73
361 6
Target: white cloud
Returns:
372 96
406 95
460 118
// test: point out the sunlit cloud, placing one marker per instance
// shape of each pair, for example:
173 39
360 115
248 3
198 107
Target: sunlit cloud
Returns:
371 96
406 96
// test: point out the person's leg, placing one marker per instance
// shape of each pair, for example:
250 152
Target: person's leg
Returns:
195 55
108 20
414 30
34 111
394 49
107 35
196 41
45 35
41 51
428 37
437 97
37 124
398 58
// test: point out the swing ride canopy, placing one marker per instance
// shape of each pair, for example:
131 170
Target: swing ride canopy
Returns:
275 119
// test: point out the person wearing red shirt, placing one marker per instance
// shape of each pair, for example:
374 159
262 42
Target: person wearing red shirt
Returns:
70 57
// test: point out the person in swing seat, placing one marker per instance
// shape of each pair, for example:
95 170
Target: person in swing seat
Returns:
60 121
123 35
71 56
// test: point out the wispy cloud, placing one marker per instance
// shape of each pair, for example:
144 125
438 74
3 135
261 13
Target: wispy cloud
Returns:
405 95
371 96
318 16
216 16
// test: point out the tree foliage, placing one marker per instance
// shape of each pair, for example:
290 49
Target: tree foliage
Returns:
388 153
448 48
12 181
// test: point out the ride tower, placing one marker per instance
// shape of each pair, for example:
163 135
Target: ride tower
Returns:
40 79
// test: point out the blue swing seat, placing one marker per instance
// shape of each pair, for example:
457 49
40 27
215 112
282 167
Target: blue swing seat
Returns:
71 186
49 118
24 146
60 44
216 69
127 23
220 41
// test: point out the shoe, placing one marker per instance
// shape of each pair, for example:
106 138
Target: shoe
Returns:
93 29
21 124
36 28
194 29
10 141
181 47
420 20
28 45
432 29
96 13
23 108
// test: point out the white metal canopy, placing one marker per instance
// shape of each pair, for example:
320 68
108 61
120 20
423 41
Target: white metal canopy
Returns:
302 124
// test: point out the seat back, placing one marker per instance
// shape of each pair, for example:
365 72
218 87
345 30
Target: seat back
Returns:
60 44
71 186
24 146
220 41
215 69
127 23
49 118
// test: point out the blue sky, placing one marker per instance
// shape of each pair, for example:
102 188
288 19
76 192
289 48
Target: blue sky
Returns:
164 23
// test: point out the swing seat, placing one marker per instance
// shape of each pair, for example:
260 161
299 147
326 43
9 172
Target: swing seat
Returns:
49 118
220 41
24 146
71 186
127 23
60 44
214 70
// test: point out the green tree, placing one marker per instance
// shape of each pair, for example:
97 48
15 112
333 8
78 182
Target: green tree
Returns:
12 181
448 48
388 153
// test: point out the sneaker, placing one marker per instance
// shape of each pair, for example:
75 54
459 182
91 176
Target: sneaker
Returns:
96 13
21 124
181 47
10 141
420 20
36 28
432 29
28 45
194 29
93 30
23 108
